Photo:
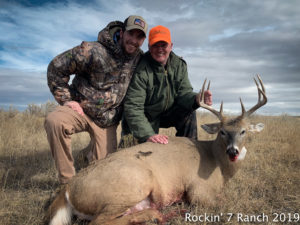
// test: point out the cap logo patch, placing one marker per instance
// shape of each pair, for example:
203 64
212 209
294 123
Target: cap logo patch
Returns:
139 22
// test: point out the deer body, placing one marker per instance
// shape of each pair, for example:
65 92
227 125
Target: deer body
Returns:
162 174
131 185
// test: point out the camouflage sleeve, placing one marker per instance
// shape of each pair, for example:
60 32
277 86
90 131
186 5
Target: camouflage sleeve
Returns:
60 69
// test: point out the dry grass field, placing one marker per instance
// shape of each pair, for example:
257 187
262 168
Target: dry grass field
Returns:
268 183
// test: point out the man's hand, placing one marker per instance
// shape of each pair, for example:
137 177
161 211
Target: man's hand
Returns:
207 97
61 95
159 138
75 106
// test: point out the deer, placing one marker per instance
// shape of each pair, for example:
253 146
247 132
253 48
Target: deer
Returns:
131 186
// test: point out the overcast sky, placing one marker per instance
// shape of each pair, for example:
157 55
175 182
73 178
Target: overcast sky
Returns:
226 41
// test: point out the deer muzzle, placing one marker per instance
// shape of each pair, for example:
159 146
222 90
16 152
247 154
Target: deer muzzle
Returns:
232 152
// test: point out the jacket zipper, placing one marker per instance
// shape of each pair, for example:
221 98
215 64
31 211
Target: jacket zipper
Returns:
168 90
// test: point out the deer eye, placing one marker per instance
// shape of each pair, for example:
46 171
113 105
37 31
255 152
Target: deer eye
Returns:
222 132
243 132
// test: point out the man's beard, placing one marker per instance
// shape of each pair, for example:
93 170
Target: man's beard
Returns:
129 43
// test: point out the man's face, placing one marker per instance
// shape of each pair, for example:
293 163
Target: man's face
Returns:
132 40
160 51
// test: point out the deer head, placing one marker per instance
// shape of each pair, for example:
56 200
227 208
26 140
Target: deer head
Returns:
232 131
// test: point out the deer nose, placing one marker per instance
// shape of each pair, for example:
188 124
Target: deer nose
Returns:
232 151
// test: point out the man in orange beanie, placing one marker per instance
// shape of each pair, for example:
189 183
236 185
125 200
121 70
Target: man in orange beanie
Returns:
160 93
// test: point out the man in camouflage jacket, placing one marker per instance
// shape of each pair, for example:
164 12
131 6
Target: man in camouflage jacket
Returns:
93 102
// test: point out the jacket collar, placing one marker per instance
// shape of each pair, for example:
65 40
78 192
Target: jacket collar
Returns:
158 66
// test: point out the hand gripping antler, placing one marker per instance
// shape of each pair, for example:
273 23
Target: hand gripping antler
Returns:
262 99
205 106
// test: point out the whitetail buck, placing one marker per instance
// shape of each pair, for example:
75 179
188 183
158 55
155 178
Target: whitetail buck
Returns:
131 185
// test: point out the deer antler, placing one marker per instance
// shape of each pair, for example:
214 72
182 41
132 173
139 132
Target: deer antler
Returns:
261 101
205 106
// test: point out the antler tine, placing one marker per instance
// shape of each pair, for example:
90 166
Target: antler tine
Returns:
202 90
258 92
261 93
208 86
221 109
243 108
261 83
209 108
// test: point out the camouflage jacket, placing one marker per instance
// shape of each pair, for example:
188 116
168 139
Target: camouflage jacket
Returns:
102 75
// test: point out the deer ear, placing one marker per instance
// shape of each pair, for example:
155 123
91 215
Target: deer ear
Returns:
211 128
256 127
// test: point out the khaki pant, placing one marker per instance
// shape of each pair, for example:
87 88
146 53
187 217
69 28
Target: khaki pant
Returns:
61 124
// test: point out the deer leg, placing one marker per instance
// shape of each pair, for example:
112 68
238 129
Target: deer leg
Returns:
134 218
119 215
199 194
146 215
103 219
110 213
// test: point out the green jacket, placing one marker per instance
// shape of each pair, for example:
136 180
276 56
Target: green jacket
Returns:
154 90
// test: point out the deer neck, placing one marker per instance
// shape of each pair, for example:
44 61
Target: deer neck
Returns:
227 167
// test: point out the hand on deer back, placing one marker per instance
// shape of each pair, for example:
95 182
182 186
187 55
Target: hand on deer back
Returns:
158 138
